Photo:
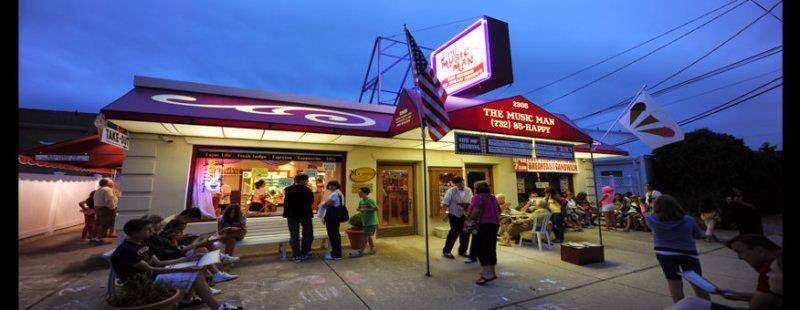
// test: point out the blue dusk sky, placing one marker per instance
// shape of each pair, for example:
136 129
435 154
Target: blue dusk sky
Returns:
82 55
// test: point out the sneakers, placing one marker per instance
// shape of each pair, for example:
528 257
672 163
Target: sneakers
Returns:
328 256
223 276
228 306
448 255
227 259
371 252
301 258
470 261
215 292
356 254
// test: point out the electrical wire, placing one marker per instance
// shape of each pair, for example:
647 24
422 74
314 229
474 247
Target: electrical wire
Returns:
436 26
665 90
644 56
718 46
630 49
700 94
727 105
768 11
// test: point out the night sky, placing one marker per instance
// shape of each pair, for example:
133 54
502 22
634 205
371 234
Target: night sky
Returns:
81 55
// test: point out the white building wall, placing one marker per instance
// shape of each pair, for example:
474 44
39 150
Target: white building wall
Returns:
49 202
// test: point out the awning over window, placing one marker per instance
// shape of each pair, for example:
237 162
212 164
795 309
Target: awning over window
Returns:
101 155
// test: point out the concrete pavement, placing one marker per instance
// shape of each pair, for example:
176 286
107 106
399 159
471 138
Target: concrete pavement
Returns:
394 278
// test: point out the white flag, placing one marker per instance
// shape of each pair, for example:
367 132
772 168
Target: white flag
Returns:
645 119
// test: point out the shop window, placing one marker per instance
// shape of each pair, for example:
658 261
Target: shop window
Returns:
254 180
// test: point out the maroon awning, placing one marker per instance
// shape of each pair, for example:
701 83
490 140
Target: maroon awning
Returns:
197 108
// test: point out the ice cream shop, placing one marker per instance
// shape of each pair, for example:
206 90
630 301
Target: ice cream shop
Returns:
197 145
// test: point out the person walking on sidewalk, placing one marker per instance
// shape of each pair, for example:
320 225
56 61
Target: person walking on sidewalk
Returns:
485 220
455 201
673 240
105 204
297 211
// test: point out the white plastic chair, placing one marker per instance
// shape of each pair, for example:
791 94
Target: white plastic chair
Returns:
541 233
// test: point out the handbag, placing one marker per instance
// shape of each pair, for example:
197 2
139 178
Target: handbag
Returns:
341 211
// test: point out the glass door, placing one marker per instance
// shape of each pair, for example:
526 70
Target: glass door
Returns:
440 180
395 200
479 173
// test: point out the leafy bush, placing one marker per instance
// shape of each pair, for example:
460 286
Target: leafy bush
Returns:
141 290
355 221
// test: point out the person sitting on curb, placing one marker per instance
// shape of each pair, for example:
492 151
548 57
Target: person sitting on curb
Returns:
133 257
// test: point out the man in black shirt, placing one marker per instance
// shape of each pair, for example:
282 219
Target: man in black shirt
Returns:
133 257
297 202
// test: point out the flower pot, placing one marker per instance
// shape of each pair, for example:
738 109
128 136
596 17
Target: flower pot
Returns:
356 238
169 303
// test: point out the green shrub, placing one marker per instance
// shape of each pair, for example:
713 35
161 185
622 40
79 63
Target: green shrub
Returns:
355 221
141 290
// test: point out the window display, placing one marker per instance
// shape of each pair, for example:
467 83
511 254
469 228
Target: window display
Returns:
257 178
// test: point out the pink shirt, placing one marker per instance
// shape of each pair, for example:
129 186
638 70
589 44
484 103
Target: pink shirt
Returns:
491 209
609 199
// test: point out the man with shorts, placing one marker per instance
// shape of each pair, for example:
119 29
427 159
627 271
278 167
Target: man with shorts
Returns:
105 204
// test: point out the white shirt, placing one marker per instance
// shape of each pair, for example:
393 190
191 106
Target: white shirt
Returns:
651 196
453 197
225 190
105 197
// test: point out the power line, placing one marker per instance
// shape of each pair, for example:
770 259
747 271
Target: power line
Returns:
644 56
630 49
437 26
700 94
718 46
768 11
727 105
720 70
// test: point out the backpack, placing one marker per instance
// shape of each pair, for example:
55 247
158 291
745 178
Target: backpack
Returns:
342 214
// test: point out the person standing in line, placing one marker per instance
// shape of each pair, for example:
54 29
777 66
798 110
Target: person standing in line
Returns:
674 233
329 211
747 217
554 203
369 219
650 195
105 203
87 208
607 207
297 202
455 201
485 218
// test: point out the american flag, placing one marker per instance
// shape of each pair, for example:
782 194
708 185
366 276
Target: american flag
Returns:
432 92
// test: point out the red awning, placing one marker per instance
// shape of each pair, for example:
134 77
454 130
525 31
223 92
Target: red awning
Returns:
30 161
101 155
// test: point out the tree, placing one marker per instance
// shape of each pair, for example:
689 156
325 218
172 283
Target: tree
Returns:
701 170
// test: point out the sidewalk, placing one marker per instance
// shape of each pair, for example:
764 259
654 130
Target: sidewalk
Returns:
394 278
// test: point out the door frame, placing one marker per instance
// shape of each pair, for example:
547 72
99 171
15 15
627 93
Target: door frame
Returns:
412 192
489 173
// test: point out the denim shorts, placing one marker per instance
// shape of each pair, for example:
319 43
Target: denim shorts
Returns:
672 265
369 231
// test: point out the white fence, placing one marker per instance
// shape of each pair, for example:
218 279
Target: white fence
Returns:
50 202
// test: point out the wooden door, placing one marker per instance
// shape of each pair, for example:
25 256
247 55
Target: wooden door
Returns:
396 212
479 173
439 181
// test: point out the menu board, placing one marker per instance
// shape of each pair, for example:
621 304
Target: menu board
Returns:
508 147
554 151
469 144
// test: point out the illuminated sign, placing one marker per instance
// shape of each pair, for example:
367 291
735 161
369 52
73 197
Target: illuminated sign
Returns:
554 151
476 60
508 147
115 135
544 165
469 144
62 157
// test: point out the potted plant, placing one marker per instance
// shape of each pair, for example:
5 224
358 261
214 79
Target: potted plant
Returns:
356 232
141 292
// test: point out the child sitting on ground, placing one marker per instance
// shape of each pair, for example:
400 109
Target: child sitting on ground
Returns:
369 219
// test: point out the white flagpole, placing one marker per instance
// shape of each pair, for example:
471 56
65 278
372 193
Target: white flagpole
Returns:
422 125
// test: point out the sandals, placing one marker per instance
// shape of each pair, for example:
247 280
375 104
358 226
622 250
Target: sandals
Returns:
483 281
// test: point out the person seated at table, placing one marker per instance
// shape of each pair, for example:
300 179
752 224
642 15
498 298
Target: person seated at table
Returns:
530 204
258 201
574 214
133 258
626 214
232 227
506 216
589 212
164 249
524 222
